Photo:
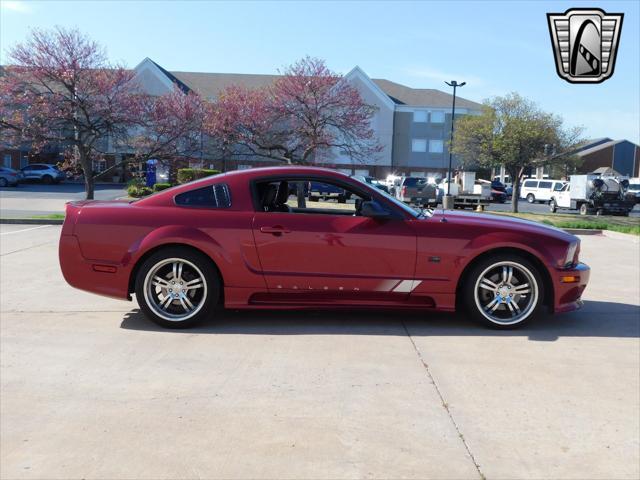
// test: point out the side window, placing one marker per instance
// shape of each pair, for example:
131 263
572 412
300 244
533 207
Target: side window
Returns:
545 185
212 196
307 196
558 187
530 184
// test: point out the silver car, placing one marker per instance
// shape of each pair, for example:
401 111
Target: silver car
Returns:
9 177
43 172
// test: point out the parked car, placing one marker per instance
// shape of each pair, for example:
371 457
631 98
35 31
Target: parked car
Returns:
634 188
325 191
540 190
9 177
43 172
416 191
236 241
372 181
498 192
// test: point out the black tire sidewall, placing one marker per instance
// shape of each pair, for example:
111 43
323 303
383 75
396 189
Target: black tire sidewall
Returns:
468 292
206 267
531 198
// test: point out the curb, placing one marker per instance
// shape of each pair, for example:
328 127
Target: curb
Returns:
583 231
621 236
31 221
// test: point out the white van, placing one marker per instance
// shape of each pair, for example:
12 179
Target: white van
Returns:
540 190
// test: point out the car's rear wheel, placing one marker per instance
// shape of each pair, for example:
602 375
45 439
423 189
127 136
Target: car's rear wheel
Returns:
47 179
503 291
531 198
177 287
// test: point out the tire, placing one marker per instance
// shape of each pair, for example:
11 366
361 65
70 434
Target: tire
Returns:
3 182
519 298
47 179
584 209
531 198
553 206
174 265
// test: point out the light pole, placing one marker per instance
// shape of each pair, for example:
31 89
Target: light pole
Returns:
448 199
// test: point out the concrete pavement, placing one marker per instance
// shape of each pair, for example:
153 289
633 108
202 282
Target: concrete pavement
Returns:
91 389
30 199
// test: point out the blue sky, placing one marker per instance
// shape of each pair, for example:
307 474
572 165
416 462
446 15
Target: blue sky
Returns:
496 47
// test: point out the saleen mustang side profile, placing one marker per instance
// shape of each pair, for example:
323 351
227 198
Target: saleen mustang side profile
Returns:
250 240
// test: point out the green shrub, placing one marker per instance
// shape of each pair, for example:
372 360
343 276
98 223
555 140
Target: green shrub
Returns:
189 174
157 187
137 190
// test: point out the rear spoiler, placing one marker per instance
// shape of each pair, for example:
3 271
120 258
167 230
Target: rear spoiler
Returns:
72 212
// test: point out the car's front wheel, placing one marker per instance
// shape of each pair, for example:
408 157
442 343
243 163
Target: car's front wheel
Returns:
503 291
553 206
177 287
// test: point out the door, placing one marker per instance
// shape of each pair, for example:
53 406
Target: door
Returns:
326 251
29 171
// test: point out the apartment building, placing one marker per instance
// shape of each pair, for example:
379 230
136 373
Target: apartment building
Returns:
412 125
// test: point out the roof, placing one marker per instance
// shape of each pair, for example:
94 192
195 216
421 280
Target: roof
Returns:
211 84
422 97
602 146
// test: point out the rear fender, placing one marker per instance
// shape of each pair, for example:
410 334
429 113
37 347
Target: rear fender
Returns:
178 234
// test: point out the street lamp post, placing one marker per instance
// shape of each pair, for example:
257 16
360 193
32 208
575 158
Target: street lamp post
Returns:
447 202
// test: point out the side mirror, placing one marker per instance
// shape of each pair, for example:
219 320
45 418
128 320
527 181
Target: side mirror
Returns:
374 210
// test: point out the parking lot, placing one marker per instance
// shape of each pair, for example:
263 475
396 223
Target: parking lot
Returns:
91 389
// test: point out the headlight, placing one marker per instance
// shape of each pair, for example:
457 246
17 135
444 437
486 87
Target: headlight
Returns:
571 253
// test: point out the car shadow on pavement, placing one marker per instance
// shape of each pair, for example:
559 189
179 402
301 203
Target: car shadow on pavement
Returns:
596 319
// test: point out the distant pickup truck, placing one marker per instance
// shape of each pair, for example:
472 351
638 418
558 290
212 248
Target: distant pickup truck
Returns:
416 190
325 191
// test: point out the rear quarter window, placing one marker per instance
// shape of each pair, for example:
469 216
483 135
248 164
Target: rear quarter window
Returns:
530 184
212 196
545 185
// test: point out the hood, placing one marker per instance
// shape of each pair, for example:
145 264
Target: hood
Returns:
501 222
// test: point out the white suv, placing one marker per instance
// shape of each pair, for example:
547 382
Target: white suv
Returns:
540 190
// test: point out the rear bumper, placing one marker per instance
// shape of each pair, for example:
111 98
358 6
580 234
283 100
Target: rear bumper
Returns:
81 273
568 294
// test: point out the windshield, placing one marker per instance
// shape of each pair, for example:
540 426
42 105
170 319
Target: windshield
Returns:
411 211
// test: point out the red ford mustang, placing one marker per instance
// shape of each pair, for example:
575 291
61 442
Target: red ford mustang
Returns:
251 239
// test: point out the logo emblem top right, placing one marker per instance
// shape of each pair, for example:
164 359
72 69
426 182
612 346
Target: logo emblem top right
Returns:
585 43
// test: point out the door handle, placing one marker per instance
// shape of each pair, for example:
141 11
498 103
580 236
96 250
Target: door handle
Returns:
277 230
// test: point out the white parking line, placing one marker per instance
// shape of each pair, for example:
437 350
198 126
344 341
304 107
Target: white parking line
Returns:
25 229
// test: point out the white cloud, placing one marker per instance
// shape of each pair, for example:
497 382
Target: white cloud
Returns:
15 6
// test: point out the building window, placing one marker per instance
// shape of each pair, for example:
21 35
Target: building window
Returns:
7 160
418 145
436 146
420 116
437 117
244 167
99 166
24 161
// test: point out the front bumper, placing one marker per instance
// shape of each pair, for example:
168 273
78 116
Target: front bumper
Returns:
568 294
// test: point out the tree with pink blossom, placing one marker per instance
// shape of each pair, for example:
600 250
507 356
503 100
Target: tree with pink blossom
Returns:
308 112
60 89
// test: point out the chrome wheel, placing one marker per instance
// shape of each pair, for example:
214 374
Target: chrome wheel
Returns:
175 289
506 293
